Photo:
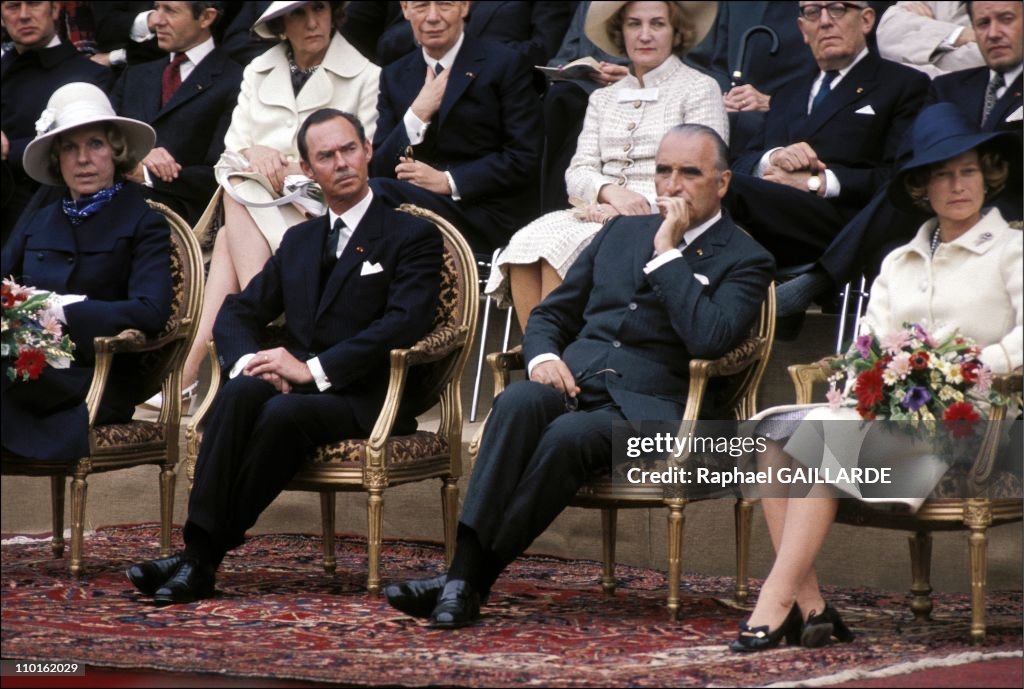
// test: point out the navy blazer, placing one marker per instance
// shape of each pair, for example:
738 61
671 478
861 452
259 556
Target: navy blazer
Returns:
359 318
191 126
485 133
609 314
966 89
120 259
861 149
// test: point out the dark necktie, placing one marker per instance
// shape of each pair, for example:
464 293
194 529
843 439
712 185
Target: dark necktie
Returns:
331 245
826 88
171 79
990 96
438 68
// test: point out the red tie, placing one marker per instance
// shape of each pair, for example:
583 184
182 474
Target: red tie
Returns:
171 79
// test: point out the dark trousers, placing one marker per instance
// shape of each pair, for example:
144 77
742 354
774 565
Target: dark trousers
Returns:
255 441
533 458
565 105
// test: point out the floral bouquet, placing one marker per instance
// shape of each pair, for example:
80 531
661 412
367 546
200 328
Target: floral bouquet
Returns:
32 336
917 380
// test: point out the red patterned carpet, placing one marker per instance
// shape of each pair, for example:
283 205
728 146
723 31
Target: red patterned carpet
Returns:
278 616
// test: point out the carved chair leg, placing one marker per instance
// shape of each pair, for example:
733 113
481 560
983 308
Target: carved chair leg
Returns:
676 521
743 512
57 497
79 488
609 524
167 478
921 567
978 516
450 516
374 525
327 530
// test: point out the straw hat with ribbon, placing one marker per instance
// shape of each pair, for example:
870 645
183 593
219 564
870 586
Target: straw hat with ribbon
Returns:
699 15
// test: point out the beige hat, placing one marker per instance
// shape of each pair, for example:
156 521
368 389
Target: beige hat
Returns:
701 15
75 105
276 9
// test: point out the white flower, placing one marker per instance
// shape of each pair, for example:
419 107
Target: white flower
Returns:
45 121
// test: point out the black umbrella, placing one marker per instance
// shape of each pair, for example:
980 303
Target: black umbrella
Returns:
737 74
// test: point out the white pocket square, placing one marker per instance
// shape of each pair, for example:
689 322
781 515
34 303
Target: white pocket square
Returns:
1016 116
866 110
370 268
702 279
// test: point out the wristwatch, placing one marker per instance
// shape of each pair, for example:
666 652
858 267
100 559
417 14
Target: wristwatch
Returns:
814 184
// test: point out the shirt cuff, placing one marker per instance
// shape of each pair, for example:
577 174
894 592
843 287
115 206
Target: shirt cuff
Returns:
661 259
950 42
415 128
832 187
539 359
147 180
765 161
240 364
319 377
451 183
140 27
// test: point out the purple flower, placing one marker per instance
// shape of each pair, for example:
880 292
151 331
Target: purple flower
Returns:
863 345
921 334
915 398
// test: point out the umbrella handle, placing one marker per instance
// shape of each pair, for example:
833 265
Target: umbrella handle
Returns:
737 74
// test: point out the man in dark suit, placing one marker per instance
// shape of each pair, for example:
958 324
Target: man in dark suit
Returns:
611 344
881 227
37 66
829 140
352 286
190 124
463 139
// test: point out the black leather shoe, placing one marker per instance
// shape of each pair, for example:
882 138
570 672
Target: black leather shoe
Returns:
457 606
193 581
417 598
819 629
150 575
762 639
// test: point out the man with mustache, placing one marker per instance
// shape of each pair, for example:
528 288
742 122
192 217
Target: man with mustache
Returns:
353 286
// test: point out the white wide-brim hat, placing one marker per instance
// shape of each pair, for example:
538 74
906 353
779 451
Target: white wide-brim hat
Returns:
701 15
276 9
76 105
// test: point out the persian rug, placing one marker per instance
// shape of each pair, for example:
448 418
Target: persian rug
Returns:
278 615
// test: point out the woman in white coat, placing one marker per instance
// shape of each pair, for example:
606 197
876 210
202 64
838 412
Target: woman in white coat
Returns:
963 270
312 67
612 172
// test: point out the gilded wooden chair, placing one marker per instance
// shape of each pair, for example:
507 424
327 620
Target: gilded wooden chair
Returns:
433 369
996 500
743 369
158 363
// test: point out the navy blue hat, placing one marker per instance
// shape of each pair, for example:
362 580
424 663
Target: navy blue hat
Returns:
942 132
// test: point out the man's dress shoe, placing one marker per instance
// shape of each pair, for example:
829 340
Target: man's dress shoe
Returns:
417 598
150 575
191 582
457 606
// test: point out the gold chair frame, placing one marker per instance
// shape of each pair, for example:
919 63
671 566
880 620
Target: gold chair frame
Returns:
384 460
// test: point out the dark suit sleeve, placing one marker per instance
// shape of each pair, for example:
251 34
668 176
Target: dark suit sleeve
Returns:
412 302
243 316
519 155
710 55
548 24
147 305
391 138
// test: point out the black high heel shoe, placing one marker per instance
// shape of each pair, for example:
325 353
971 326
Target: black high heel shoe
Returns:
819 629
761 638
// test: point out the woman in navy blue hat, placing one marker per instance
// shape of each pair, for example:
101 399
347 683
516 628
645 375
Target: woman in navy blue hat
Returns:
962 270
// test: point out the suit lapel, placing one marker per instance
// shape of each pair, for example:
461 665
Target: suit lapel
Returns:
644 250
152 78
360 246
1001 110
464 70
312 255
856 85
198 81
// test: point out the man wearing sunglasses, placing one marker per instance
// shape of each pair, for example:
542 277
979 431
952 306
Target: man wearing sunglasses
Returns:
830 139
612 343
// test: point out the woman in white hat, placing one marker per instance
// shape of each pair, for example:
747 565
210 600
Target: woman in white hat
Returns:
312 67
102 250
612 172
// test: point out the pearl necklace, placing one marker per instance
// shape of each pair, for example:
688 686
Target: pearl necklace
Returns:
935 240
295 69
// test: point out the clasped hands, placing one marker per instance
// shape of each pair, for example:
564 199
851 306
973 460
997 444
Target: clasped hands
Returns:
794 165
426 105
279 368
160 163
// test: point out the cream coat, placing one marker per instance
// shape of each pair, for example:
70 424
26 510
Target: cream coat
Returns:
919 42
973 283
268 112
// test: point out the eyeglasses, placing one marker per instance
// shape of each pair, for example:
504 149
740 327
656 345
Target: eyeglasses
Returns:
573 403
836 10
424 7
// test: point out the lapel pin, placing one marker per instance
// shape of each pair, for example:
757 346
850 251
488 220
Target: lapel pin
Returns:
470 75
860 89
700 252
984 238
360 249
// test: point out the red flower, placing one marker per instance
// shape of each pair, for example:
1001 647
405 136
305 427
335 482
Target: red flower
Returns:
961 417
7 299
30 361
869 391
919 360
969 371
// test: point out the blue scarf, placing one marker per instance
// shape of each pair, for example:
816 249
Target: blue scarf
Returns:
79 211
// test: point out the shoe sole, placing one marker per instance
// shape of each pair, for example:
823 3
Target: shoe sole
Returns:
452 625
174 600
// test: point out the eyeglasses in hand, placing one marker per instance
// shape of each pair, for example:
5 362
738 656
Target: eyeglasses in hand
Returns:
836 10
573 403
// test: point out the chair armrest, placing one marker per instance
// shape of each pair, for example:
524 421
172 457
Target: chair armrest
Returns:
502 364
805 376
193 433
1009 386
437 345
105 347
